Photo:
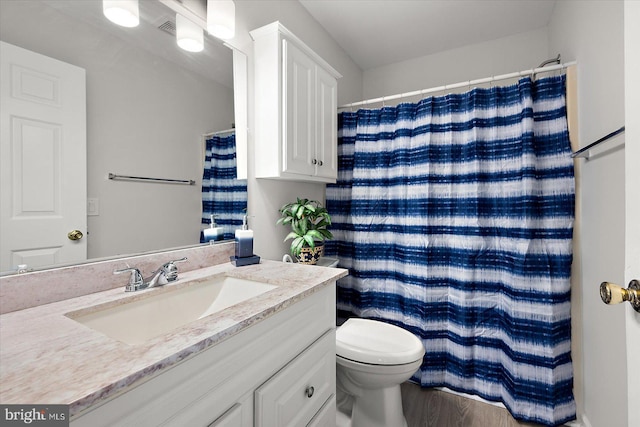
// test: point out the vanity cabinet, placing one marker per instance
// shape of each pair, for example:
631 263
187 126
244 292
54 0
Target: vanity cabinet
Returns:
293 396
231 418
279 371
296 108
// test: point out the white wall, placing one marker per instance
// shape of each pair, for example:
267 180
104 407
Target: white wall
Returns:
514 53
267 196
591 32
137 124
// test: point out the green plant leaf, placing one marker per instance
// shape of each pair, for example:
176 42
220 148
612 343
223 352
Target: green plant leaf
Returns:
296 228
309 241
291 235
316 235
323 223
296 245
326 233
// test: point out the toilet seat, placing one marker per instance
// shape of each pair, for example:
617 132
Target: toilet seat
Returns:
377 343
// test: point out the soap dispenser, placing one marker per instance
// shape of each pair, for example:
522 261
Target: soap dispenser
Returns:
213 233
244 246
244 240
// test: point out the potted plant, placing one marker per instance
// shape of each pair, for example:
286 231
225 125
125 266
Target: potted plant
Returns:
309 221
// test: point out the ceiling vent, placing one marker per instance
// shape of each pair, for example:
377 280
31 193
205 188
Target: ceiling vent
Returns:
168 27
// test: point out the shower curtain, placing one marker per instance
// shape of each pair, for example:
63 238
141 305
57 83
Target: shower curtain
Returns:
454 216
222 194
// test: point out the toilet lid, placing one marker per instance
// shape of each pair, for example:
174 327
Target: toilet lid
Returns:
377 343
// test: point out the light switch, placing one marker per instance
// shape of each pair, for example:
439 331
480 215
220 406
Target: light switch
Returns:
93 207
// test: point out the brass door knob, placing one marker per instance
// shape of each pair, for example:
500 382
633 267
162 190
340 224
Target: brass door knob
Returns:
614 294
75 235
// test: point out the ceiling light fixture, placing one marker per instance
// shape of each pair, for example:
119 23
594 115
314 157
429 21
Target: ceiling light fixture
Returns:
189 34
122 12
221 18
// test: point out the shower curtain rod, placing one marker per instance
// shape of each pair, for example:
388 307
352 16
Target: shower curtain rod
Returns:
584 152
469 83
219 132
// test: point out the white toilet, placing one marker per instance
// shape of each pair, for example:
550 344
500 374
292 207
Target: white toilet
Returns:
373 359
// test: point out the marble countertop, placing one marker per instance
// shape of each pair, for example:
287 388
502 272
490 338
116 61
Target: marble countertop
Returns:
48 358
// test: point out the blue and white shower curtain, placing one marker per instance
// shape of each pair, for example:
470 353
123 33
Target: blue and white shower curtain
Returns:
454 216
223 195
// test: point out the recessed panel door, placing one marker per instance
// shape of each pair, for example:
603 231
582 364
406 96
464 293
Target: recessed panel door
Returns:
43 160
299 111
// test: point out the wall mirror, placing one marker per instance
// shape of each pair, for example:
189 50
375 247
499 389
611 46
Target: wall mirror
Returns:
148 105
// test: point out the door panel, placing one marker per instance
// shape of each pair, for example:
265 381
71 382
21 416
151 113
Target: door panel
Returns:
299 110
327 104
43 150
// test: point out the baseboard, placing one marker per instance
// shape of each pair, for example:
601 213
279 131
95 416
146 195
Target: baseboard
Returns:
582 421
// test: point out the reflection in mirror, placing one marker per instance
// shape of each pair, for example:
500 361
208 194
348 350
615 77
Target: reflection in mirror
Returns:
148 105
224 197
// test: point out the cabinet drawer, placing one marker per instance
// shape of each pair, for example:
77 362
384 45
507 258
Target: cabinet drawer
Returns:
231 418
326 417
299 390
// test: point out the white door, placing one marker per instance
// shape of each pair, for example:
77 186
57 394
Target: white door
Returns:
632 199
43 159
327 124
299 111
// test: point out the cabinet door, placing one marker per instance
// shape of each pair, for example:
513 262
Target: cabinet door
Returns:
299 126
293 396
327 124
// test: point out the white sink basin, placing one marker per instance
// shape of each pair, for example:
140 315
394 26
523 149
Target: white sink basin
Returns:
164 310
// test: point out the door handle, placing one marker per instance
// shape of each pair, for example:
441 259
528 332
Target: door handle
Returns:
75 235
614 294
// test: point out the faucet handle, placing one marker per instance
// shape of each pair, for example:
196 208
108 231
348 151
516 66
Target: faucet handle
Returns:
135 280
170 270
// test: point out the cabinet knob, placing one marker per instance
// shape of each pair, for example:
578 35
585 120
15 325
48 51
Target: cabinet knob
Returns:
319 162
314 161
309 391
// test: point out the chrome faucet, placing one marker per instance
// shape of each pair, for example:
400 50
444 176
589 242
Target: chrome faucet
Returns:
168 272
165 274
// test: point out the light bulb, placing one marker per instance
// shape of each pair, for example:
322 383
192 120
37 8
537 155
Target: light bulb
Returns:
122 12
189 34
221 18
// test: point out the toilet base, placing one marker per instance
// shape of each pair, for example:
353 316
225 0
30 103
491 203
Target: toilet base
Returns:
373 408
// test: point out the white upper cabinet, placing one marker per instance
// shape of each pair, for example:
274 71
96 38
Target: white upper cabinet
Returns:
296 109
